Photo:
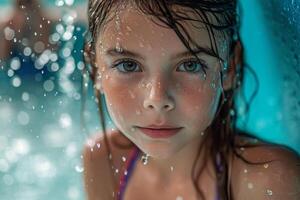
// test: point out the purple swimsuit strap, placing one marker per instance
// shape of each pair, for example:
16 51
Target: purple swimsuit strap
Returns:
129 167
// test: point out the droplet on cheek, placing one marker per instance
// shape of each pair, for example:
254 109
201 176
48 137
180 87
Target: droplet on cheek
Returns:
250 185
148 85
269 192
138 112
132 95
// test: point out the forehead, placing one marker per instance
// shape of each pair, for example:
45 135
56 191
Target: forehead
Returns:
131 28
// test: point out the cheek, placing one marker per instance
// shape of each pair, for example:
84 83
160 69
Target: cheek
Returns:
119 98
200 101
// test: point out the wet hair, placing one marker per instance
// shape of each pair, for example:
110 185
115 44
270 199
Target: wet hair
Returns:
221 20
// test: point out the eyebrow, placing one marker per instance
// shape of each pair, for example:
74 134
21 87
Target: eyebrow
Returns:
124 52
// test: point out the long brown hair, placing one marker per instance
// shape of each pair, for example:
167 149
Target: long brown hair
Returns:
221 19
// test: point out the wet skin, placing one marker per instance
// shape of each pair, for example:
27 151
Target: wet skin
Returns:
156 87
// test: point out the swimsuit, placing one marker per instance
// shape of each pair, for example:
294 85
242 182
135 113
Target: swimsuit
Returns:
129 166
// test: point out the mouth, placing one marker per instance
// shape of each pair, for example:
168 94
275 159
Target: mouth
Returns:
159 132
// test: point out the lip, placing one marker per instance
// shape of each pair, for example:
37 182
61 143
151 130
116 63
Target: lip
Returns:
160 132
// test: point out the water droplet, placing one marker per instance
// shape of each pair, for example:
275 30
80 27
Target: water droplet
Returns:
137 112
269 192
98 145
172 168
245 171
144 159
250 185
266 166
117 171
25 96
16 81
123 159
23 118
48 85
79 169
125 172
179 198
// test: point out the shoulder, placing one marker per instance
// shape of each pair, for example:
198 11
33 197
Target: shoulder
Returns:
101 162
278 175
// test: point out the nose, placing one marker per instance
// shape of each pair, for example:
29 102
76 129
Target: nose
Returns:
158 98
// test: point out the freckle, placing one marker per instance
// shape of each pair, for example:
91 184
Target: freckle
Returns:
250 185
266 166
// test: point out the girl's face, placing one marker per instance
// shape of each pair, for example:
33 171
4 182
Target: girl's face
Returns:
149 77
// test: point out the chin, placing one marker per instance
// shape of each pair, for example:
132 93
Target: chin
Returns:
159 151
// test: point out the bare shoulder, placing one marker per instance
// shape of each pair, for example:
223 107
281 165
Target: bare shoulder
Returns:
277 177
100 163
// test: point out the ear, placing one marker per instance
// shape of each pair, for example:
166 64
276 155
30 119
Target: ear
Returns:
235 62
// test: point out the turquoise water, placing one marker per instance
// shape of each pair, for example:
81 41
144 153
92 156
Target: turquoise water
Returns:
42 136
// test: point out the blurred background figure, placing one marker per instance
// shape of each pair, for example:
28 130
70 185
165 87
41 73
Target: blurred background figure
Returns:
25 37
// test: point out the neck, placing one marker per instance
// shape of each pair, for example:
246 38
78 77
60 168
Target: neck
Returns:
180 165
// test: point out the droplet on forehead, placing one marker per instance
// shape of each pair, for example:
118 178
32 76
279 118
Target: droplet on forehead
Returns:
118 47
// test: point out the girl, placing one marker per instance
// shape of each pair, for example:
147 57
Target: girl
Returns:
168 72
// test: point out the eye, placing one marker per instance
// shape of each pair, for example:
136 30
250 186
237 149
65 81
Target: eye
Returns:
126 66
193 66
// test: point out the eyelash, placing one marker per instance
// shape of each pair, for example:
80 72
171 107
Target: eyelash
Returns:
203 65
